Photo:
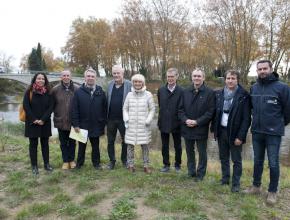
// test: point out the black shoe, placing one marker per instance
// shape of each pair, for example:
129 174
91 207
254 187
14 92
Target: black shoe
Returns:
35 170
47 167
97 167
235 189
224 182
190 175
111 166
165 169
78 167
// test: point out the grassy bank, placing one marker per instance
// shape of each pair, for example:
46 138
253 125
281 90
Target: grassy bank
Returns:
117 194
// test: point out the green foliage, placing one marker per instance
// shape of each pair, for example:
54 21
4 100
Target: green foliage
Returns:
93 199
123 208
35 60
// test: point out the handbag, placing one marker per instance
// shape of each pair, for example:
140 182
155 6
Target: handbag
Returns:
22 113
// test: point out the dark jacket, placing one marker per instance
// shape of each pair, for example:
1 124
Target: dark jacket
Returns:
62 98
89 112
168 101
39 108
270 100
127 89
199 106
239 116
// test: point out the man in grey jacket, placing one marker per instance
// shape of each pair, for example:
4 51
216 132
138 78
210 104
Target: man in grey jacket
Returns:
118 89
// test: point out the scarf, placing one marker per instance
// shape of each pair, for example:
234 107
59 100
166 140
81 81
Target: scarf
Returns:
228 97
39 89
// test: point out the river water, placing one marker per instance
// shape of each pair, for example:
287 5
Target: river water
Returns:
9 112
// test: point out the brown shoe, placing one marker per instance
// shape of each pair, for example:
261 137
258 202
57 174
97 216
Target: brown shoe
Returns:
253 190
131 169
147 170
65 166
271 198
72 164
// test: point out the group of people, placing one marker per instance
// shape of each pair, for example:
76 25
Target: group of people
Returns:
190 113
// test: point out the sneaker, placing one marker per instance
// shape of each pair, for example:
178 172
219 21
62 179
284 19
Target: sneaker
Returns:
271 198
165 169
111 165
72 165
235 189
47 167
35 170
253 190
65 166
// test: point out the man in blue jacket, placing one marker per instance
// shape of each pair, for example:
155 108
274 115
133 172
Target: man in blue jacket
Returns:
89 112
271 112
118 89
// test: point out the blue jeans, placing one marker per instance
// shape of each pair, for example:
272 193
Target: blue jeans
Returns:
271 144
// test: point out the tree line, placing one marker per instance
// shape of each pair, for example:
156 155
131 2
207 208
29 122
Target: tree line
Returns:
152 35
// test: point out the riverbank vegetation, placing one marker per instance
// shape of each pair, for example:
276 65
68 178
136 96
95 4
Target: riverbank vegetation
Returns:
10 87
118 194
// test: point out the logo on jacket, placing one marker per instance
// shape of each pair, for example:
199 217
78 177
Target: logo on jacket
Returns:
274 101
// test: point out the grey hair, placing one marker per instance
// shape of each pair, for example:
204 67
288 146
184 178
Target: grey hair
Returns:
173 70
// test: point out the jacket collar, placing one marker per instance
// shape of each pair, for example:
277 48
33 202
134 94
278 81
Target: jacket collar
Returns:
201 88
269 79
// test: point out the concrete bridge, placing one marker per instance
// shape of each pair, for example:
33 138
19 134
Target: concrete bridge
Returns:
25 79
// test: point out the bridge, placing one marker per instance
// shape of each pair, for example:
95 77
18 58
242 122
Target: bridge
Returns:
25 79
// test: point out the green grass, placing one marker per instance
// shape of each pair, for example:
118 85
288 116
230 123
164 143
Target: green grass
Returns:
104 195
123 208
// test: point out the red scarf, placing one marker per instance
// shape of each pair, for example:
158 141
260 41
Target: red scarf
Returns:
39 89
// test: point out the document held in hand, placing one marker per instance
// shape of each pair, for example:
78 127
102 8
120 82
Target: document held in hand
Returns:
82 136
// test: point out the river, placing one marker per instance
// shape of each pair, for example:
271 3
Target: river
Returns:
9 112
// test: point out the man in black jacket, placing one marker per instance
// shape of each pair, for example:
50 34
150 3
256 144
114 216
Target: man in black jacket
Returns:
196 110
230 126
169 96
271 106
89 112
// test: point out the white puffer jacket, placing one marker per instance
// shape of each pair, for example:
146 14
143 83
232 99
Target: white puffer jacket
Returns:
138 112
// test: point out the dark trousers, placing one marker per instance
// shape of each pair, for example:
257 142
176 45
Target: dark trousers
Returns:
165 148
112 127
202 161
67 146
271 144
227 150
33 142
95 152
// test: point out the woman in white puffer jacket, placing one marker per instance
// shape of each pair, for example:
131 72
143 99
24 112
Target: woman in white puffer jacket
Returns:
138 113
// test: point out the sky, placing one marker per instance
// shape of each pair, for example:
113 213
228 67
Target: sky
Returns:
25 23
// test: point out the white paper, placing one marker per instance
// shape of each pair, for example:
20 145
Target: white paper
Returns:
82 136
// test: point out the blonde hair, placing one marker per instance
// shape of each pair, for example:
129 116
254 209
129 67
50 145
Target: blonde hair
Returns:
138 77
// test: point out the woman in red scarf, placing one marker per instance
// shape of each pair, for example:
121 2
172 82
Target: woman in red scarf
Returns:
38 109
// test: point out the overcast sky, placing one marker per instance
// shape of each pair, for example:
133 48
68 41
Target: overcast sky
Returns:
25 23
